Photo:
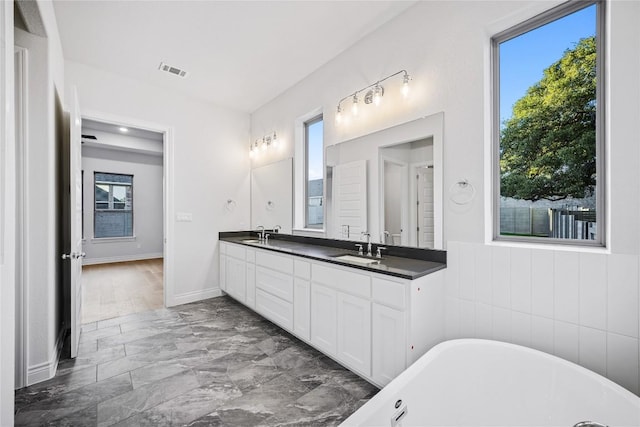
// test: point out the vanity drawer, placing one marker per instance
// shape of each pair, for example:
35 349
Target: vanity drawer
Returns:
236 251
388 292
273 308
276 262
342 280
275 283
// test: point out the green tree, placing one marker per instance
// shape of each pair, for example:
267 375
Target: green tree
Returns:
548 146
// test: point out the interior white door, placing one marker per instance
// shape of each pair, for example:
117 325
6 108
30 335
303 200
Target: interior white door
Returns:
75 256
350 199
425 211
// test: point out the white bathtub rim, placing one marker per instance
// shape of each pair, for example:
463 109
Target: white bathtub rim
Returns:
394 388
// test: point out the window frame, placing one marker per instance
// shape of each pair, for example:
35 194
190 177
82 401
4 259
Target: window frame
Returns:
110 202
538 21
306 124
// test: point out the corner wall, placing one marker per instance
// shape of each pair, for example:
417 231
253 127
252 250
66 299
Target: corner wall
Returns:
445 46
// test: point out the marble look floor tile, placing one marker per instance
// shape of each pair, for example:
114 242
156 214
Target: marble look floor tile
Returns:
56 385
263 402
188 406
64 404
85 417
143 398
253 374
208 363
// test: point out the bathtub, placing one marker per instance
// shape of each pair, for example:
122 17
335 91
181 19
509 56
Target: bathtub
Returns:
473 382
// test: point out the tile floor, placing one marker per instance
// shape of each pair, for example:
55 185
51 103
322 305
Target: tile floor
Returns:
121 288
210 363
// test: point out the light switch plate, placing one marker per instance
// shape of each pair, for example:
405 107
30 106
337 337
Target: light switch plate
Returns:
184 217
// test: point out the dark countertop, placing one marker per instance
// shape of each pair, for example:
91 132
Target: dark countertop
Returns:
399 261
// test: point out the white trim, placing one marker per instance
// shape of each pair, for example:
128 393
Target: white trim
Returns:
46 370
111 239
168 189
194 296
22 207
121 258
7 215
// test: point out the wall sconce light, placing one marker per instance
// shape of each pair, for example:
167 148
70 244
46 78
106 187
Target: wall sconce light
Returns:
261 144
373 95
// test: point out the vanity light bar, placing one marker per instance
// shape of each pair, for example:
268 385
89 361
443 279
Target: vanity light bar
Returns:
269 140
373 95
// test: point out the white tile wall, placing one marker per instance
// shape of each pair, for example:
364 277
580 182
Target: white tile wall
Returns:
577 305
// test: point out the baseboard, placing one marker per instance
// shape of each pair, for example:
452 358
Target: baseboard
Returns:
121 258
46 370
193 296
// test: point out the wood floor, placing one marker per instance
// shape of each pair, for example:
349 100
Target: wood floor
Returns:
118 289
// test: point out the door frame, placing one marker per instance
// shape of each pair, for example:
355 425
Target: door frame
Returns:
168 188
21 57
405 208
413 199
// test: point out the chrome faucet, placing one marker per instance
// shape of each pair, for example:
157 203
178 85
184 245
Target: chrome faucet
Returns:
277 229
365 233
379 251
261 235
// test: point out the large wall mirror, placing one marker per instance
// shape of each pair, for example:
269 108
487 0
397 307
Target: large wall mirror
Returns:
388 184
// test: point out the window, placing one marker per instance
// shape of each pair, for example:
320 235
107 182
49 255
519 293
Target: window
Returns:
314 164
113 213
548 127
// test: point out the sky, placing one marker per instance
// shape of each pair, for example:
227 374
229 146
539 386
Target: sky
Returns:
315 150
524 58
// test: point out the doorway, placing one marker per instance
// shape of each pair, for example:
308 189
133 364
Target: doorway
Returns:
122 220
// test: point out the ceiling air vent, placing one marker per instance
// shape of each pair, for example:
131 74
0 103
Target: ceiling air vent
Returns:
173 70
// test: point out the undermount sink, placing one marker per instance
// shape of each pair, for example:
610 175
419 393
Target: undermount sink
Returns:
251 241
359 260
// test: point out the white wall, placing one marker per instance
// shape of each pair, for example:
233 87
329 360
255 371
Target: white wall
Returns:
210 165
7 216
445 46
42 260
147 205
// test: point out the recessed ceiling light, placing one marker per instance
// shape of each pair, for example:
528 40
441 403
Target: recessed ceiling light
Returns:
124 130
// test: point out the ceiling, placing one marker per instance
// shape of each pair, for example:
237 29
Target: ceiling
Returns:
88 125
238 54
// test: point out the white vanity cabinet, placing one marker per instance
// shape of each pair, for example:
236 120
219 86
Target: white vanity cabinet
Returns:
341 315
302 299
274 287
235 272
223 265
251 278
374 324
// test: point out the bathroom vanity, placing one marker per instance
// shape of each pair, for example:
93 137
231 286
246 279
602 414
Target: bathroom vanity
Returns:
375 316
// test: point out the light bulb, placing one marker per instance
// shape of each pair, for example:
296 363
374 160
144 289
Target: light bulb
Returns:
274 140
354 107
377 95
264 144
339 115
405 85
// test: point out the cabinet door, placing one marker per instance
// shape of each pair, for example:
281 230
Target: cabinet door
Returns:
354 332
389 342
223 272
236 281
323 318
251 285
302 308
